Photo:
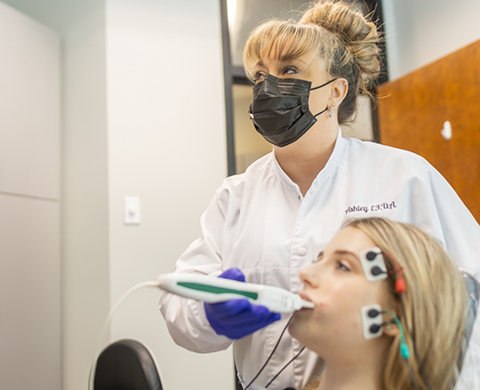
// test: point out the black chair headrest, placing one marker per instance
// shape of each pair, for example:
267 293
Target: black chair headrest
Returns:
126 365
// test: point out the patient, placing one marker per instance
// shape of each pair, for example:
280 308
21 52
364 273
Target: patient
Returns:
433 310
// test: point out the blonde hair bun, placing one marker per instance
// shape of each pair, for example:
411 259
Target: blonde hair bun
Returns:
356 32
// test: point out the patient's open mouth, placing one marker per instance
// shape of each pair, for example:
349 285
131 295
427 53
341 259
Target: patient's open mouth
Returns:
308 303
304 296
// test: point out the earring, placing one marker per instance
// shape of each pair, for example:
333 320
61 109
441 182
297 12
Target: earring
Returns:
331 110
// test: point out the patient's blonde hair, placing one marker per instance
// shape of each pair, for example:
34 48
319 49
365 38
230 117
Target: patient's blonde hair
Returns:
435 304
344 39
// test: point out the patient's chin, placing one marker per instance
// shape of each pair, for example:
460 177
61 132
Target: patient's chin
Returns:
304 330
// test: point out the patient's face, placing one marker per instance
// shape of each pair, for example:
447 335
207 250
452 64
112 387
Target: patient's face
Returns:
337 285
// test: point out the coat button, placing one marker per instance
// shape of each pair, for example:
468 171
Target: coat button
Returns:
301 251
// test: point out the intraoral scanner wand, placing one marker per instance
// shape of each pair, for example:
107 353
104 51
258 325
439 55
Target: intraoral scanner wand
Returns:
213 290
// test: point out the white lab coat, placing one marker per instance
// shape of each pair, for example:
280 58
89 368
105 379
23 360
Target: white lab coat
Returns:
260 222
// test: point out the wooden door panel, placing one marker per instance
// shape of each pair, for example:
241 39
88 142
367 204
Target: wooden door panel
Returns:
462 84
412 111
411 116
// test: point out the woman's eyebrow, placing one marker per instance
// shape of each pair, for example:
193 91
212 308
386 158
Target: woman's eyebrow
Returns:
294 62
345 252
299 60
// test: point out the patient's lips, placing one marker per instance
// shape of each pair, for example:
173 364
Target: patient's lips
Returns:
304 296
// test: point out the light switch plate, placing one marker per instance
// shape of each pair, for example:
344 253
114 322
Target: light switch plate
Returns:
132 210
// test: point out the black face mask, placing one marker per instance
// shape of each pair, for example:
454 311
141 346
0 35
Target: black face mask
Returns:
279 109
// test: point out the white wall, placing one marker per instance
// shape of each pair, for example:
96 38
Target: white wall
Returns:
166 131
30 304
158 64
421 31
84 186
85 292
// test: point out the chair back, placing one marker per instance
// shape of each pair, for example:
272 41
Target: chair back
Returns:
126 365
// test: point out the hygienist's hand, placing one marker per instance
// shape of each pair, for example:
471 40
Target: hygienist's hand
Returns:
237 318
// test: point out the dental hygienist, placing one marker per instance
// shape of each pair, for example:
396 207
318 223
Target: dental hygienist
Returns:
274 219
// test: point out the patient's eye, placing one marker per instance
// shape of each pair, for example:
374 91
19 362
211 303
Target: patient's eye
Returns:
342 266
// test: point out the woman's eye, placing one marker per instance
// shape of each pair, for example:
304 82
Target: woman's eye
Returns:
290 70
259 76
341 266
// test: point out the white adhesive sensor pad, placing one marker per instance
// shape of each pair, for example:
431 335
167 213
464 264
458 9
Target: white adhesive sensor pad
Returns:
372 320
373 264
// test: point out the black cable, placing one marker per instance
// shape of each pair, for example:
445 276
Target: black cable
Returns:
284 367
271 354
412 377
415 351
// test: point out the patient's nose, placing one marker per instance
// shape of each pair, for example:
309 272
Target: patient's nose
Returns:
309 276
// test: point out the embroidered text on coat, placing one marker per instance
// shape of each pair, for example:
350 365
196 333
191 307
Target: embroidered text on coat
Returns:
375 207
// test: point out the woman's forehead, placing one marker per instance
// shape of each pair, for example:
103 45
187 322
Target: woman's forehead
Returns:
287 49
306 61
351 239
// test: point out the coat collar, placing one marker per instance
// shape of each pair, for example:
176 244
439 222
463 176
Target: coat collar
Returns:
339 151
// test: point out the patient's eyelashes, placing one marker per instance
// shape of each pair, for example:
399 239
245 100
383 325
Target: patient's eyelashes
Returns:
342 266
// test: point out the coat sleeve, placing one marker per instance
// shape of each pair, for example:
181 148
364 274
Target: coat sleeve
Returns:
185 318
460 232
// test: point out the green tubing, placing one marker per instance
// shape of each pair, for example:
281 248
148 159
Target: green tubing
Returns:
217 290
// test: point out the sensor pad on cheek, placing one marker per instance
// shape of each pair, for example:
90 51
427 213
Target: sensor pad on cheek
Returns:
372 320
373 264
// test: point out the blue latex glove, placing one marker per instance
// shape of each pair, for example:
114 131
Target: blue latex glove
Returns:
237 318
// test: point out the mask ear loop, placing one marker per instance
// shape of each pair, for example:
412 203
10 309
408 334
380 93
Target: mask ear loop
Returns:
320 86
323 85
